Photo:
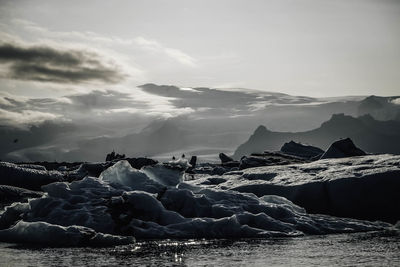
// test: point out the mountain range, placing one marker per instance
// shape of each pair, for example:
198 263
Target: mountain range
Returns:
218 120
371 135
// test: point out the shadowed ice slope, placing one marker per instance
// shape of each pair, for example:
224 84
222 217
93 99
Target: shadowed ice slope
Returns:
365 187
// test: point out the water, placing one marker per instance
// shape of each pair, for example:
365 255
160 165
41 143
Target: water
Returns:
363 249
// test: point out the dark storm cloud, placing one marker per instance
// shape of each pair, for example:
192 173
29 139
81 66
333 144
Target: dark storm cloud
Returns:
47 64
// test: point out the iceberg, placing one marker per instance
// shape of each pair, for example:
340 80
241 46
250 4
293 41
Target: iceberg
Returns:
154 203
364 187
10 194
59 236
27 177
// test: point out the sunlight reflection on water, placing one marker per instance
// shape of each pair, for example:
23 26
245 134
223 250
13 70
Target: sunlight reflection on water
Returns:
375 249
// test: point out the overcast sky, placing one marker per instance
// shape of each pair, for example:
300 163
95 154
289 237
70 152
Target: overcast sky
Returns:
59 56
302 47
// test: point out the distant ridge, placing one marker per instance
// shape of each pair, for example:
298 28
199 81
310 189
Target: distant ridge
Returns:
371 135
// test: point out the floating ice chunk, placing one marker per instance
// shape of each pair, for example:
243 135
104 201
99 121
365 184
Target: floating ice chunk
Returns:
150 178
283 201
182 211
145 205
12 214
10 194
46 234
181 163
123 174
81 202
163 175
33 179
93 169
364 187
33 166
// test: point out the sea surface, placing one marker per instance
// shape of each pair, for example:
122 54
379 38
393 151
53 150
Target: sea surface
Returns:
361 249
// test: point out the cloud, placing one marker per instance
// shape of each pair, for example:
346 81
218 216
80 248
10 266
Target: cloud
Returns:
17 139
93 108
49 64
203 97
24 117
173 53
105 100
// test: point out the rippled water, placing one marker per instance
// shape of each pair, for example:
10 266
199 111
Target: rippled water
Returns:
365 249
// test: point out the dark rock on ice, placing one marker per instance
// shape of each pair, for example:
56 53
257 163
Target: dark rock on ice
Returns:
224 158
214 181
343 148
193 161
138 163
253 161
114 156
268 159
300 150
231 164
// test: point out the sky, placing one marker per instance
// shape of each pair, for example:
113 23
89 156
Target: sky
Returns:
57 55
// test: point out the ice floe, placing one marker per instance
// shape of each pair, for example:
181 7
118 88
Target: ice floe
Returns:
154 202
55 235
364 187
26 176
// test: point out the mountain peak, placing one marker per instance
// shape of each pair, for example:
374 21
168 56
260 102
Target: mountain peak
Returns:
261 130
342 121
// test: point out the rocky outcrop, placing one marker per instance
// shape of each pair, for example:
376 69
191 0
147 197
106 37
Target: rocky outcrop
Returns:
138 163
343 148
224 158
300 150
114 156
268 159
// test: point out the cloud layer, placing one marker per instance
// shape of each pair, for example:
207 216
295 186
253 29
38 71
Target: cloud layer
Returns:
49 64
